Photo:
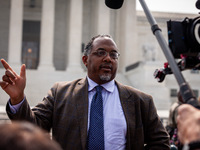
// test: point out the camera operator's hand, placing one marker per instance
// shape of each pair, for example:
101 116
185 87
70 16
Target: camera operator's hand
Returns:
188 121
13 84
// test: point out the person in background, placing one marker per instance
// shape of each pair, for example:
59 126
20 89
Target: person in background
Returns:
95 112
25 136
172 123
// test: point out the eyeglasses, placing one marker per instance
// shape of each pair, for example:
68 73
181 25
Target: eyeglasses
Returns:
103 53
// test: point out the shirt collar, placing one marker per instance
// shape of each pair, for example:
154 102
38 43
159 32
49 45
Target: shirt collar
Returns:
109 86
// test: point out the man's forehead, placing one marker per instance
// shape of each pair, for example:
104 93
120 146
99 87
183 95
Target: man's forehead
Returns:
104 43
102 40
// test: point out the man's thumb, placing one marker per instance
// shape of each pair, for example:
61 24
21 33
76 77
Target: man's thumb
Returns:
23 71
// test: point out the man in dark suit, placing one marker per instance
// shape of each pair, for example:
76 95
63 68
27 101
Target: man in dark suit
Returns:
130 120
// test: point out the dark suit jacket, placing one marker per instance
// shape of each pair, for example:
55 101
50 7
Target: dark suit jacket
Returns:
65 110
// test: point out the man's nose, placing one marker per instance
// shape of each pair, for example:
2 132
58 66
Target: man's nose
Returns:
107 58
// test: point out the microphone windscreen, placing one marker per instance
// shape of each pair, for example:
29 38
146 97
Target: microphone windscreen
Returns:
198 4
114 4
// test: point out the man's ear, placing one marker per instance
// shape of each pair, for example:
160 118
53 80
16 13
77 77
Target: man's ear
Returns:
84 59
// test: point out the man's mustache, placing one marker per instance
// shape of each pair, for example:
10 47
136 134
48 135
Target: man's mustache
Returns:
106 65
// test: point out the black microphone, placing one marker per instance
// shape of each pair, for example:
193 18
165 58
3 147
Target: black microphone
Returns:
114 4
198 4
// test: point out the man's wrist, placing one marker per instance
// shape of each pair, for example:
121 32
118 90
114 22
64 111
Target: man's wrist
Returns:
15 108
16 100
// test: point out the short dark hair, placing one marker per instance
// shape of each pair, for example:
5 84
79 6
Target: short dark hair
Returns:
88 47
25 136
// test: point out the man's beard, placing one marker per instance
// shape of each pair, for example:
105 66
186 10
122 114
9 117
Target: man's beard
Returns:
105 77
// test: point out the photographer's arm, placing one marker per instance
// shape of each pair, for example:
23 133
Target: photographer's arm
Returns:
188 120
13 84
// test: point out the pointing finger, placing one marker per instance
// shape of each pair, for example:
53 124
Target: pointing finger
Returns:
7 66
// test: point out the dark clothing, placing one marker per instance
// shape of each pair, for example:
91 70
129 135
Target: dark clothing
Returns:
65 110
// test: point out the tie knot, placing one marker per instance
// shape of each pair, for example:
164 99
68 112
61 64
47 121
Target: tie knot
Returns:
99 88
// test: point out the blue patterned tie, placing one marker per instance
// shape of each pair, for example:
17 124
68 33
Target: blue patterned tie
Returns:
96 129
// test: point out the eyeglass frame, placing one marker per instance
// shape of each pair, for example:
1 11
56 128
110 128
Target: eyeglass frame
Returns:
106 53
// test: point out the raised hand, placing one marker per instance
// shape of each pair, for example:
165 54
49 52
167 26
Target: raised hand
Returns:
12 83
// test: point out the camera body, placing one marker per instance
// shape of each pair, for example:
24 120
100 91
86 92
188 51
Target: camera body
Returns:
184 42
184 37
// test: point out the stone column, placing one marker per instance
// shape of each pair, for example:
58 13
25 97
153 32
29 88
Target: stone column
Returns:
15 34
75 36
47 35
127 34
103 18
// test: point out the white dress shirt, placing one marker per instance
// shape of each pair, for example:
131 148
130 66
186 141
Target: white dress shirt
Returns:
115 127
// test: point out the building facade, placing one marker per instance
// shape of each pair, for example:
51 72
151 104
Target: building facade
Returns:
49 37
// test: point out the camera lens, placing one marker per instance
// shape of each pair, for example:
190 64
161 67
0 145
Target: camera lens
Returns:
197 31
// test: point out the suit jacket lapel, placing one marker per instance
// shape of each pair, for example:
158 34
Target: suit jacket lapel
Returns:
128 105
81 96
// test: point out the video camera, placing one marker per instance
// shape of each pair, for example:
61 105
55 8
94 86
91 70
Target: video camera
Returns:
184 37
184 42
